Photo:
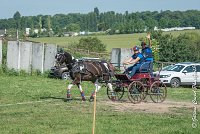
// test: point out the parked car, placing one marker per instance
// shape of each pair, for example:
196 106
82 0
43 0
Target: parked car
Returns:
181 74
60 72
156 73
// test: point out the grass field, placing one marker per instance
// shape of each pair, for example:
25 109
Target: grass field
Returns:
35 105
112 41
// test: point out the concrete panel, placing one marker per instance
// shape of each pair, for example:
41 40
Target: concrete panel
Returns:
25 56
38 56
49 57
126 53
13 55
118 56
0 52
115 57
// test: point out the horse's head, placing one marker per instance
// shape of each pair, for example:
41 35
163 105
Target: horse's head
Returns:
65 58
59 58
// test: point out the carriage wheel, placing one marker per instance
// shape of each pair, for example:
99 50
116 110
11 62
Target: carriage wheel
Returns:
136 92
145 93
158 92
118 92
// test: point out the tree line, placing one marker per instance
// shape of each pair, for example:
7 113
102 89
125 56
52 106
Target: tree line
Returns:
167 48
111 21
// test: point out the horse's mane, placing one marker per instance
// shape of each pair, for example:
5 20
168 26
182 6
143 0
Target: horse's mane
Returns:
68 60
68 57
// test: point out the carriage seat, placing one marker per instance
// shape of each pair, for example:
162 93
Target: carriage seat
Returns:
144 68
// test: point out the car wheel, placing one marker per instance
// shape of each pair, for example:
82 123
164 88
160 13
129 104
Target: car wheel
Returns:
65 76
175 82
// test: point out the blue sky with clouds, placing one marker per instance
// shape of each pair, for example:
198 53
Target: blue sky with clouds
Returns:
52 7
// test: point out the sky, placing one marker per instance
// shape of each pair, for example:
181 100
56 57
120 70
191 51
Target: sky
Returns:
52 7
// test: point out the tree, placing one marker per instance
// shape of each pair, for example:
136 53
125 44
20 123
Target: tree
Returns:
17 17
151 23
178 49
97 21
96 11
92 44
163 23
73 27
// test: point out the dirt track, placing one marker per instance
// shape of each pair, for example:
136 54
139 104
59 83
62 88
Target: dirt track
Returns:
150 107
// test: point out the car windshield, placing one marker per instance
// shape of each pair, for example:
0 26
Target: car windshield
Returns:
176 68
167 67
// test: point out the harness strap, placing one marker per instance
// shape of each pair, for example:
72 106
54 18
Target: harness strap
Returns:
95 68
101 68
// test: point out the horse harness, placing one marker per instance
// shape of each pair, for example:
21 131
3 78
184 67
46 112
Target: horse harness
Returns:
82 68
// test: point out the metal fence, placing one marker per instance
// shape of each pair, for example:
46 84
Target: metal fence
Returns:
30 56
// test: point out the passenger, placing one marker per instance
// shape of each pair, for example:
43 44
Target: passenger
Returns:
137 59
147 53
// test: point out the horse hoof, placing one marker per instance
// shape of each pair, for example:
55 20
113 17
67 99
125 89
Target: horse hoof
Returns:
91 100
113 98
83 99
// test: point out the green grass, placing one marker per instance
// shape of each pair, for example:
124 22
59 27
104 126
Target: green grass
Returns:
31 105
112 41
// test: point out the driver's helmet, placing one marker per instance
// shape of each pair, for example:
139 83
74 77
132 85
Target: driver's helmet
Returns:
143 43
135 48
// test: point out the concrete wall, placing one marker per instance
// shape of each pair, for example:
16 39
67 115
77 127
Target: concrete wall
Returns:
49 57
38 56
115 57
13 55
118 55
28 55
0 51
25 56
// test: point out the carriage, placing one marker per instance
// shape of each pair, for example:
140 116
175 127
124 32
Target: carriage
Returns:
138 87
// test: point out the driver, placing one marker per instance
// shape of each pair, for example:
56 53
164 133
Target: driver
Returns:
147 53
136 59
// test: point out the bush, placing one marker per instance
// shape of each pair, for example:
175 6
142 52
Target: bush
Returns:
92 44
178 49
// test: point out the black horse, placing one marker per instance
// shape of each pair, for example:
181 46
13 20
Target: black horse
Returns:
85 70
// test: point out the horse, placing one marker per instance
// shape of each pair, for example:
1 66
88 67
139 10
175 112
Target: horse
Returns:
85 70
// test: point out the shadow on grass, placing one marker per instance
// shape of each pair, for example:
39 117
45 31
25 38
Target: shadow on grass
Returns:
61 98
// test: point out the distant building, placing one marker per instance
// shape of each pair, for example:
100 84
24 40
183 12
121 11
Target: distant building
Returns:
174 29
70 34
28 31
82 33
35 30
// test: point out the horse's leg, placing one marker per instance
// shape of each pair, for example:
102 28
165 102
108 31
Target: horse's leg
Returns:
81 92
113 96
97 88
68 91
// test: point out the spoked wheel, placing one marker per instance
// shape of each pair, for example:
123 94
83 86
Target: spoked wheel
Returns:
136 92
118 92
145 93
158 92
